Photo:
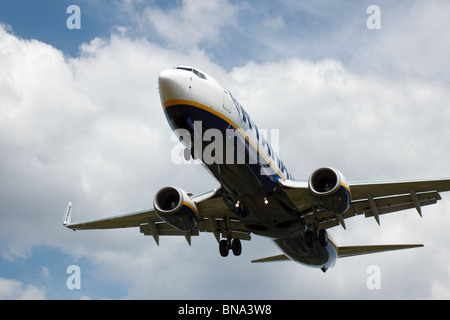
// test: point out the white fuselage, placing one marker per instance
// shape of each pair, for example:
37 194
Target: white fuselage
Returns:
249 170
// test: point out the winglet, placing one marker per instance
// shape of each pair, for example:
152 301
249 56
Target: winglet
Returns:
67 215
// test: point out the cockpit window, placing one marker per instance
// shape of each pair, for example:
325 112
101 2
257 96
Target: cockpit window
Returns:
195 71
184 68
199 74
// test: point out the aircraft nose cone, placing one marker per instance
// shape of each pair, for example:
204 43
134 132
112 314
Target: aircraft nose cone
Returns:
172 86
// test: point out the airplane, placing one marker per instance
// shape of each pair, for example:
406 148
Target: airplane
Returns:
257 194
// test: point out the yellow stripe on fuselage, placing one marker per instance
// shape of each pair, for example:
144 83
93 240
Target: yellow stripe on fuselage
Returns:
220 115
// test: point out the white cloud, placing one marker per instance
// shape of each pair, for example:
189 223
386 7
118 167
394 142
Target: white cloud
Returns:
411 41
15 290
275 23
45 273
383 124
189 24
79 130
440 289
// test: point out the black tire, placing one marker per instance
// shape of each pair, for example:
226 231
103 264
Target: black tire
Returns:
223 248
309 237
236 247
323 238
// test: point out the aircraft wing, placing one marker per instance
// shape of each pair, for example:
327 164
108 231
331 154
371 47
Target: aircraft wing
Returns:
122 221
215 217
369 198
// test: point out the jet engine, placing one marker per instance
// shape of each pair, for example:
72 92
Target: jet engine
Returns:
329 190
175 207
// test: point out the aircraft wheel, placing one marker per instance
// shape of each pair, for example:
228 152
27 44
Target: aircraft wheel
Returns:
223 248
309 236
236 247
323 238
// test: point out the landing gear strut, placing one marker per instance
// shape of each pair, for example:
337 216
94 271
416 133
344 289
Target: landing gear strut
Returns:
229 244
313 234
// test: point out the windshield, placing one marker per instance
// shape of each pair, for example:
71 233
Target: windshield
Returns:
195 71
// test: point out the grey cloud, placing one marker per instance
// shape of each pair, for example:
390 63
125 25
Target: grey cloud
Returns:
91 130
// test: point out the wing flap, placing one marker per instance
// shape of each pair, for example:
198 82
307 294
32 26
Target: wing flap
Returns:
369 198
360 190
395 203
163 229
383 205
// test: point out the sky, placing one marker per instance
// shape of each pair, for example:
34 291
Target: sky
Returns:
81 121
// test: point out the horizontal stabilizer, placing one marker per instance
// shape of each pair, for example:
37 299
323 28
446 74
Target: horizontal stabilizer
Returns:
360 250
280 257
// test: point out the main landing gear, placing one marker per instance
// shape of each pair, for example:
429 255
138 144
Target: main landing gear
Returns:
320 235
226 245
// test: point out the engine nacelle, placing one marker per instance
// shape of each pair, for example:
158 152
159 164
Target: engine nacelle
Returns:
329 190
175 207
